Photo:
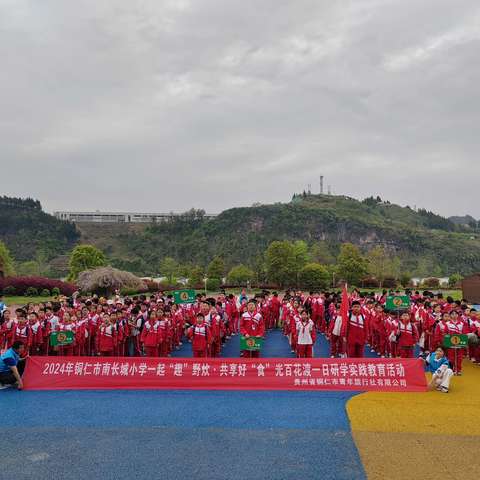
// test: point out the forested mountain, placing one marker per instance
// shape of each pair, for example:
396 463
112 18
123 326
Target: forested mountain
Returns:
425 243
29 232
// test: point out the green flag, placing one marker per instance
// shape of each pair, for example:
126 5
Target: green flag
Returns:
184 296
251 343
455 341
397 302
61 338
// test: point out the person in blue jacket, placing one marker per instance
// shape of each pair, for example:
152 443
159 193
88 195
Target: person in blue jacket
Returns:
438 364
11 366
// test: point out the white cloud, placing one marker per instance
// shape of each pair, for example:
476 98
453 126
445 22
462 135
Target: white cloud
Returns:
164 105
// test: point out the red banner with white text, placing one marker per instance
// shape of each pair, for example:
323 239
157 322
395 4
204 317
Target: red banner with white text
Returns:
136 373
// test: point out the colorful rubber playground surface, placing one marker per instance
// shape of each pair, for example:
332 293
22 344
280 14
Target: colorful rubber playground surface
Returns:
255 435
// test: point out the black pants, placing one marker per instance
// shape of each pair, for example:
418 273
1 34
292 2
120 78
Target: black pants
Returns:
8 378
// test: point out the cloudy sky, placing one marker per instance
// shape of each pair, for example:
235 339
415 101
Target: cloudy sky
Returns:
151 105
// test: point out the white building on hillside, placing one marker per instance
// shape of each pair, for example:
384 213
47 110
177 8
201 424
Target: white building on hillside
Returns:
120 217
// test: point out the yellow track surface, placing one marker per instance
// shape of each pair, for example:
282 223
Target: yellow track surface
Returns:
420 435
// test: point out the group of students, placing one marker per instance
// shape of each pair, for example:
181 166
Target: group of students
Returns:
156 326
153 326
367 325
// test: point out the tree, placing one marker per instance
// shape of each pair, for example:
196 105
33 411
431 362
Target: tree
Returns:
314 276
321 253
169 268
85 257
6 262
216 268
351 265
105 280
280 263
302 256
405 279
240 275
378 262
27 269
196 276
455 280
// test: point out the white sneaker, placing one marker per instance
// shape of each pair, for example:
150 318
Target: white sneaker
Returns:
4 387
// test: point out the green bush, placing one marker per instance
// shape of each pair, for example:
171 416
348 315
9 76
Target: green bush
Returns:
31 292
213 284
45 292
55 291
9 290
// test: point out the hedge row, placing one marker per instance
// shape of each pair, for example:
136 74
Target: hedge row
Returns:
30 285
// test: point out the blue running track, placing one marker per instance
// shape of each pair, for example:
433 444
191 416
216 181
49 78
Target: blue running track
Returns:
180 434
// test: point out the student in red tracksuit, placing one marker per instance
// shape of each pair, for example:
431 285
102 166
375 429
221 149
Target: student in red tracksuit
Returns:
67 324
106 336
379 330
82 332
356 332
22 332
337 343
408 336
318 313
275 309
306 336
251 325
215 327
165 333
37 334
198 335
441 330
6 330
151 336
475 328
456 327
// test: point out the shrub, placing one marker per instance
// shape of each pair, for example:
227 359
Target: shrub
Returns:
405 279
213 284
31 292
9 290
431 282
455 280
21 284
55 291
370 282
45 292
105 280
314 276
389 282
152 286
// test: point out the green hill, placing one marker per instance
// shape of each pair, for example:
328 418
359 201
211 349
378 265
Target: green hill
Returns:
425 243
422 240
29 232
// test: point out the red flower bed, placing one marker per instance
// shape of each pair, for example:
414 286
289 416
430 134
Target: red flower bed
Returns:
21 284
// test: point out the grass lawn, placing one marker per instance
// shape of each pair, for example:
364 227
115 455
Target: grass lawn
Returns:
22 300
